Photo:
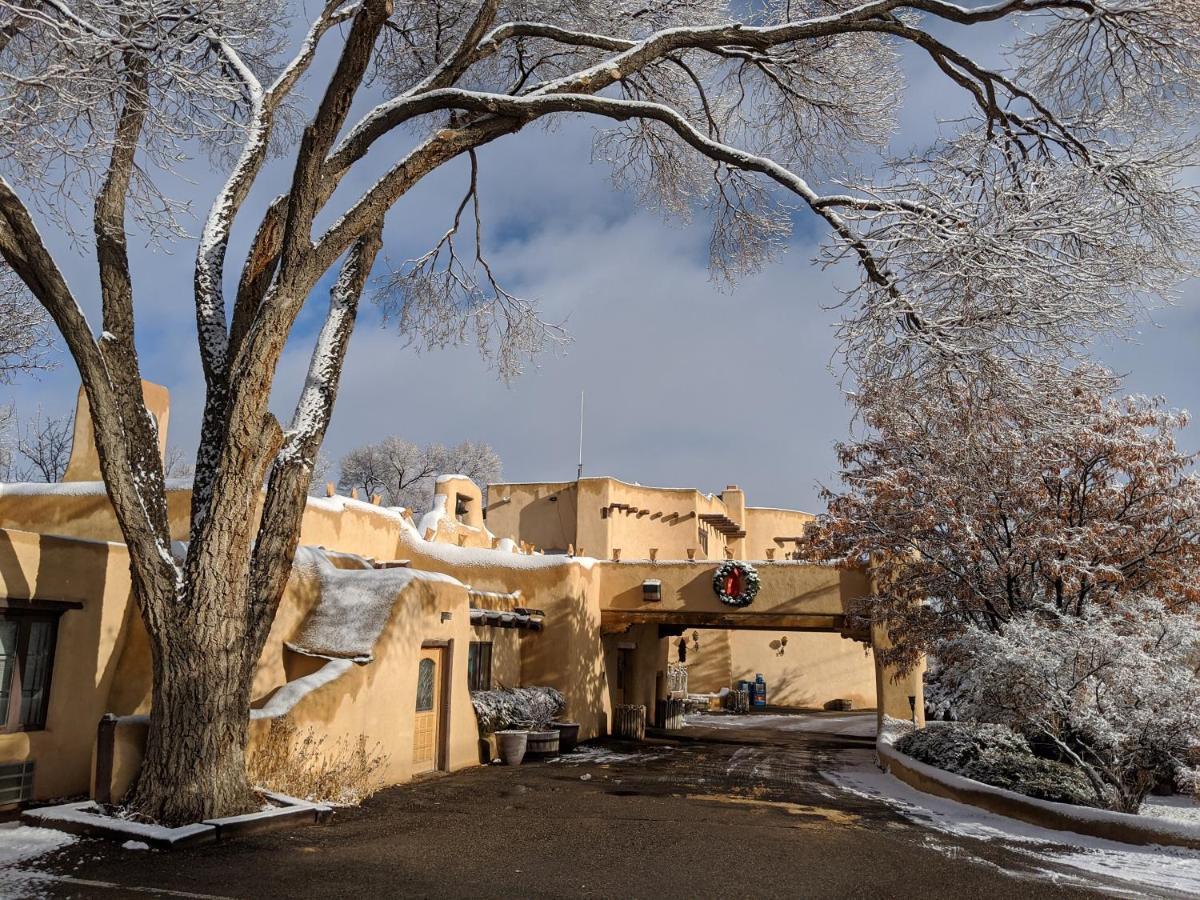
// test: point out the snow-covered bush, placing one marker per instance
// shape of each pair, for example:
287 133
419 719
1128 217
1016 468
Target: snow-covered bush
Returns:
1114 691
941 694
1041 538
952 745
997 755
523 707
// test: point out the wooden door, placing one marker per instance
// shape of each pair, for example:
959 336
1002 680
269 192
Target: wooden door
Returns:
429 711
624 675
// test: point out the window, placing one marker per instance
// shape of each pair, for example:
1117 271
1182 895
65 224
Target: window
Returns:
479 666
16 782
26 656
425 673
704 540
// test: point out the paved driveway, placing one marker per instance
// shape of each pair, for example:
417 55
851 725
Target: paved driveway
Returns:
720 812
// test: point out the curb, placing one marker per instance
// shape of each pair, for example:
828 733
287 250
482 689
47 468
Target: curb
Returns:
85 818
1113 826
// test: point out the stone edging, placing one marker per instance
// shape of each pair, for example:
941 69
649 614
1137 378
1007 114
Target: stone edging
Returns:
1100 823
85 819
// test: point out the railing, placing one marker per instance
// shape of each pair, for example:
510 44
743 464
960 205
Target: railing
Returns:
677 679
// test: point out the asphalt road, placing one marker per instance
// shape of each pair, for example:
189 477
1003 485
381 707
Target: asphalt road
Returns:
720 813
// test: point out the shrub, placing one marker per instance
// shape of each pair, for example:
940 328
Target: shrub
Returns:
997 755
344 773
524 707
1115 691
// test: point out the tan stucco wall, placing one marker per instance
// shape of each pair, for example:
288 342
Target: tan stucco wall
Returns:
107 665
764 525
83 514
647 659
84 464
558 515
813 669
89 641
711 667
540 514
377 700
506 654
785 588
566 654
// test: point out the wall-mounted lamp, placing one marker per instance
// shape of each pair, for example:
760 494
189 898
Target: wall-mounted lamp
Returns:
782 645
695 640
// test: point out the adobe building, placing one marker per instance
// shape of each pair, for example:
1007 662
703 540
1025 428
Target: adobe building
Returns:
390 619
608 518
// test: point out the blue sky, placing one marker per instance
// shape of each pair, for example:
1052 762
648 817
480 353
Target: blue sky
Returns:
687 384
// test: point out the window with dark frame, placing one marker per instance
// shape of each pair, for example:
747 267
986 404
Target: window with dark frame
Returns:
479 666
27 639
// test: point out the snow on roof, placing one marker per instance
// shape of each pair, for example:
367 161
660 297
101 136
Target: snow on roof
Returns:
338 503
74 488
284 700
454 476
782 509
633 484
434 517
486 558
354 605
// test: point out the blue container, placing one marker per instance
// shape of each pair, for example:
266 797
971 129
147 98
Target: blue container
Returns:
758 691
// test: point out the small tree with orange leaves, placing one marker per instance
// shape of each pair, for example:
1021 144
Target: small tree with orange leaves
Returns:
1035 547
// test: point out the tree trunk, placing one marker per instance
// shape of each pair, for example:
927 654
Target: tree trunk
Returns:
195 767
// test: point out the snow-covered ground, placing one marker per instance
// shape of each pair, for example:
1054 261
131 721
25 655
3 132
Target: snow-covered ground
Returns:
851 724
1177 808
20 845
1169 869
591 754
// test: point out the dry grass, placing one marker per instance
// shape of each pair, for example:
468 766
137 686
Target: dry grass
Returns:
308 766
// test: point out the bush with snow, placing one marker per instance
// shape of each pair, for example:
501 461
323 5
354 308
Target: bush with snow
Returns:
523 707
1113 691
997 755
941 694
1041 538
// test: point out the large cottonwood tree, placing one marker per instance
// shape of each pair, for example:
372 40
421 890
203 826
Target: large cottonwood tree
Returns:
1036 218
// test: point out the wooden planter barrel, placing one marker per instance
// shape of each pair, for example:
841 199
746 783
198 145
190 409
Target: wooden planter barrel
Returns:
670 713
543 742
568 735
630 722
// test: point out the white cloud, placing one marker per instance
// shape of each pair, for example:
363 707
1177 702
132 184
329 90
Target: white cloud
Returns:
685 385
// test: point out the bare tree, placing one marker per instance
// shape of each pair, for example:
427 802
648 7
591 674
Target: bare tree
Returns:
46 444
403 472
1035 219
10 469
322 466
24 328
177 463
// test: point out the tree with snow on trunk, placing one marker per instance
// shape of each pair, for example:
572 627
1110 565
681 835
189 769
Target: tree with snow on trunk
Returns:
1040 216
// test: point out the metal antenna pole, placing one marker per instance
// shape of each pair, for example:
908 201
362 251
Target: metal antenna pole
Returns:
579 471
